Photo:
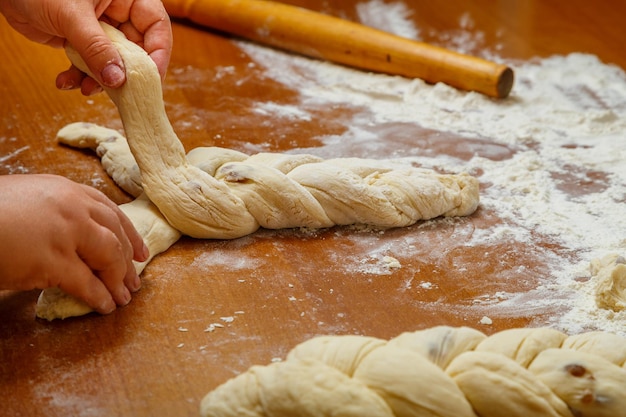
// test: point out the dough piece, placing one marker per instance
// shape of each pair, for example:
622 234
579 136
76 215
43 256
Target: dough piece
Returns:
606 345
498 386
609 274
111 147
244 196
589 384
294 388
442 371
343 353
522 345
440 344
266 187
157 234
55 304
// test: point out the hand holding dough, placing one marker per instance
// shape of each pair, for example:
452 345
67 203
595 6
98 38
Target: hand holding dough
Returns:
220 193
238 197
438 372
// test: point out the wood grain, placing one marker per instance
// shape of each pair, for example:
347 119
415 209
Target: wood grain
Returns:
160 355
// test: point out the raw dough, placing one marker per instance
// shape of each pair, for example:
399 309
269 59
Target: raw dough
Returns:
238 197
220 193
442 371
300 190
609 274
56 304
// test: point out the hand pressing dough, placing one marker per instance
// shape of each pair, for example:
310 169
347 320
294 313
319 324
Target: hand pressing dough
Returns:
158 236
224 194
442 372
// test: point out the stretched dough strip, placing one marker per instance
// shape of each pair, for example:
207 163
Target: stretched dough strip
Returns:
442 371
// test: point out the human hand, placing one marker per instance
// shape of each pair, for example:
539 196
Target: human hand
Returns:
58 233
53 22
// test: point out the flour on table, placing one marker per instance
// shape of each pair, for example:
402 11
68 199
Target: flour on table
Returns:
388 17
560 125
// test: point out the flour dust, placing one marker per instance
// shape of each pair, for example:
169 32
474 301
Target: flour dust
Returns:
561 125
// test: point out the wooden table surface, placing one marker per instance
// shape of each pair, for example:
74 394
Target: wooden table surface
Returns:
273 289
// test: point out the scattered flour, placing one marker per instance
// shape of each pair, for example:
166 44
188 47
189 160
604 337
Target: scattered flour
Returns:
564 122
389 17
6 161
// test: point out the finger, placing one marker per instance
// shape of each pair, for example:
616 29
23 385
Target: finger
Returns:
140 250
96 49
102 252
89 87
109 215
150 18
70 79
131 242
115 262
81 283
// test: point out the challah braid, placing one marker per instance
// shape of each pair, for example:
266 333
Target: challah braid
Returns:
442 371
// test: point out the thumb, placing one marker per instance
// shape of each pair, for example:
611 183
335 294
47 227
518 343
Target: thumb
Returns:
100 56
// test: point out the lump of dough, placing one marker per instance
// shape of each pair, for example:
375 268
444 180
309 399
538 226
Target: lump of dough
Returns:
522 345
498 386
589 384
451 372
440 344
609 275
606 345
293 388
55 304
401 378
344 353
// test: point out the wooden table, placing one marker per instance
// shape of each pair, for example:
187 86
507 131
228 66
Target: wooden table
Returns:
268 291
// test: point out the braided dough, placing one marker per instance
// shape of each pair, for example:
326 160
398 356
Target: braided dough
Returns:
224 194
439 372
237 198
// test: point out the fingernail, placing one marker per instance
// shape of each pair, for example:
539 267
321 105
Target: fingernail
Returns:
136 283
108 307
113 76
67 85
125 296
94 91
146 252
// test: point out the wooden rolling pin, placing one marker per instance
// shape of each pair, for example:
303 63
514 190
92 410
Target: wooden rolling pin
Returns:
325 37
